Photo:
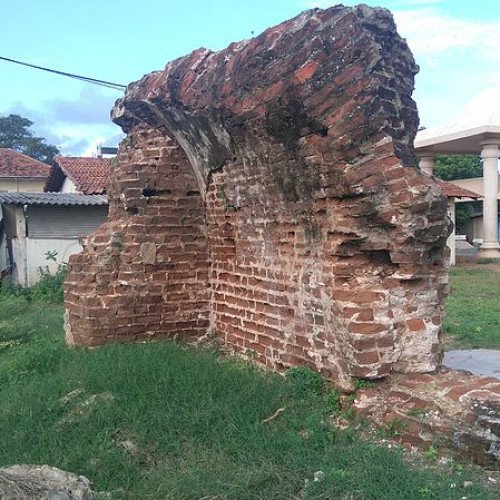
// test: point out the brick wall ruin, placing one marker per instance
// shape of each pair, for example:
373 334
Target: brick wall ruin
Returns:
265 194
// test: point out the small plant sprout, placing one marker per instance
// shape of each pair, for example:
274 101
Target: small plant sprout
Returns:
431 453
51 255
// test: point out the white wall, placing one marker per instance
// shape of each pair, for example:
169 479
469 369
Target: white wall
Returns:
37 248
68 187
50 229
4 256
4 259
24 185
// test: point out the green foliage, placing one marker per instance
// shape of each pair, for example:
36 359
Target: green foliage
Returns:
49 287
51 255
303 381
394 427
472 311
463 213
332 402
8 290
418 412
432 453
362 383
160 420
450 167
21 320
15 134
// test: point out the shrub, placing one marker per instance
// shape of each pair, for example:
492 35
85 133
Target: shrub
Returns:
48 289
50 286
9 290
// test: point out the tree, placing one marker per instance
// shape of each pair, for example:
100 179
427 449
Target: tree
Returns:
450 167
15 134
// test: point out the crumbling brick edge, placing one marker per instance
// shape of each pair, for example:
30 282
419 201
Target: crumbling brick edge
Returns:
447 409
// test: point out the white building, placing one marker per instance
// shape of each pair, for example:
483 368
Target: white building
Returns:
476 130
34 225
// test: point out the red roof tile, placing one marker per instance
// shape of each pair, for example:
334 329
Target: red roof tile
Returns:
89 175
453 191
14 164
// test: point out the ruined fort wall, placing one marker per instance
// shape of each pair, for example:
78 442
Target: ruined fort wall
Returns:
288 219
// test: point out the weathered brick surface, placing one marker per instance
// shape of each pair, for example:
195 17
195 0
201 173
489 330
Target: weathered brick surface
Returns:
453 409
145 271
287 218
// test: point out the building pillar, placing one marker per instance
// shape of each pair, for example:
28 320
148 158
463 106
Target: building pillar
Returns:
20 251
426 164
451 242
490 247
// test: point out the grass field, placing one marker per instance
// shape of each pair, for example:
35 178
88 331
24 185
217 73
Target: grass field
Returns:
164 421
472 317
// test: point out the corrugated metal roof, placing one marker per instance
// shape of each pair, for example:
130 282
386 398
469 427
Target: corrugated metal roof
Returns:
52 199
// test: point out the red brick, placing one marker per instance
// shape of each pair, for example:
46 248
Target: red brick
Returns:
366 328
416 324
306 71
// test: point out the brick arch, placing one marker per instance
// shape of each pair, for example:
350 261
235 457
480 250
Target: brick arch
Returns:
323 246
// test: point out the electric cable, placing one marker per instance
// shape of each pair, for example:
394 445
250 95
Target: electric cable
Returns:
94 81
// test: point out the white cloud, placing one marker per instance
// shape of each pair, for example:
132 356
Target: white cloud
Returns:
91 106
494 80
431 34
91 149
75 125
83 139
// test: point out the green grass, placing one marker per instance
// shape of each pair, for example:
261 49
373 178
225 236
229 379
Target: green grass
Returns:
165 421
472 316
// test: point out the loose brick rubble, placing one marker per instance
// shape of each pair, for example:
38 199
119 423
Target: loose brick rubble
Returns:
443 409
265 195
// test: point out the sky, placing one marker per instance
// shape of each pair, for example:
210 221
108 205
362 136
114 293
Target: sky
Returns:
456 43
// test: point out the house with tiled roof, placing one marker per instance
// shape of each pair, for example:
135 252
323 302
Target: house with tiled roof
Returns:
78 174
454 193
34 225
20 173
474 227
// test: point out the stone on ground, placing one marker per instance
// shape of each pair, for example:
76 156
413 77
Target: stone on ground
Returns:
42 482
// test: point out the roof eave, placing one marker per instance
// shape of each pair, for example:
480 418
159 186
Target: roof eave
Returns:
30 178
467 141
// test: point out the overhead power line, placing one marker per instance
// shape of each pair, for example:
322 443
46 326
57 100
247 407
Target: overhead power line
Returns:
93 81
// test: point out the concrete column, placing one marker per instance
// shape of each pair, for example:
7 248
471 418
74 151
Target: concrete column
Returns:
451 239
490 154
426 164
19 249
